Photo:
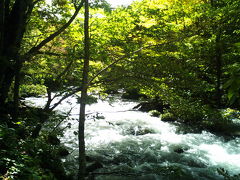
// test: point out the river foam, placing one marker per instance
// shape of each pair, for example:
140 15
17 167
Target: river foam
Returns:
135 143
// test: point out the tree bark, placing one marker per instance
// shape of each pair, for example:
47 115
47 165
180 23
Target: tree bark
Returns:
2 17
12 29
14 24
16 91
218 58
81 141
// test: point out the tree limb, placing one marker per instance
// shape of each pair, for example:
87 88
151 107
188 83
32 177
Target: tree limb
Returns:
50 53
35 2
130 55
65 97
123 57
35 49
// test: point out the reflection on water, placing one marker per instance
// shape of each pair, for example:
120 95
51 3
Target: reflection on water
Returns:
124 140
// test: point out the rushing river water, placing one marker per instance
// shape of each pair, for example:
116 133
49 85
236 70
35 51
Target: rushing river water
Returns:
132 145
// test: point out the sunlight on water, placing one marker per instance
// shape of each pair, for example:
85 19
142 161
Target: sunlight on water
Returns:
218 155
128 140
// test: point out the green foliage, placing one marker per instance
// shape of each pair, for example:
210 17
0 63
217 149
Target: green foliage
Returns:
233 83
168 117
32 90
155 113
16 163
192 42
230 114
189 58
89 100
24 157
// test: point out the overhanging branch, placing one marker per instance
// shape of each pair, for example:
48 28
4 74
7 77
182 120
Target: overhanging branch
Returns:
35 49
129 55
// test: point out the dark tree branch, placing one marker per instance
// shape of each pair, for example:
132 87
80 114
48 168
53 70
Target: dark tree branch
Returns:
126 56
65 70
56 54
28 13
35 49
65 97
35 2
67 115
103 70
50 53
50 99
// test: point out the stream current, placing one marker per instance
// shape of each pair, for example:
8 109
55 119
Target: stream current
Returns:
133 145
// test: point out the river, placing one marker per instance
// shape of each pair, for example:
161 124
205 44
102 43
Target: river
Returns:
133 145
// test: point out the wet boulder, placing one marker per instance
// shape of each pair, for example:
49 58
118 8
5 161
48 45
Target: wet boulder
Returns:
179 150
89 158
144 107
150 106
139 131
133 94
94 166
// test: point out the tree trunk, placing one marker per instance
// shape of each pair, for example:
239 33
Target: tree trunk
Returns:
2 15
81 141
12 28
218 58
14 24
16 91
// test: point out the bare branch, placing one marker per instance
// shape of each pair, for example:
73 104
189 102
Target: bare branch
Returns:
65 97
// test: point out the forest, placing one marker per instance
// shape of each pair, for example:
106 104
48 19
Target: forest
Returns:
174 62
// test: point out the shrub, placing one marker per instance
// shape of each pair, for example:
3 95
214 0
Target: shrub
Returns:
32 90
168 117
154 113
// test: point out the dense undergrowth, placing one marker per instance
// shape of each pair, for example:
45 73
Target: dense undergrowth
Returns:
24 157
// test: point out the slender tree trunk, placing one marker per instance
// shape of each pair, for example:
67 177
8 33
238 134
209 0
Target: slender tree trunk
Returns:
81 141
2 58
218 58
16 90
2 15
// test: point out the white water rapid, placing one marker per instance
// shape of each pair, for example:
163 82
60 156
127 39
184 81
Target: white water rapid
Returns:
132 145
